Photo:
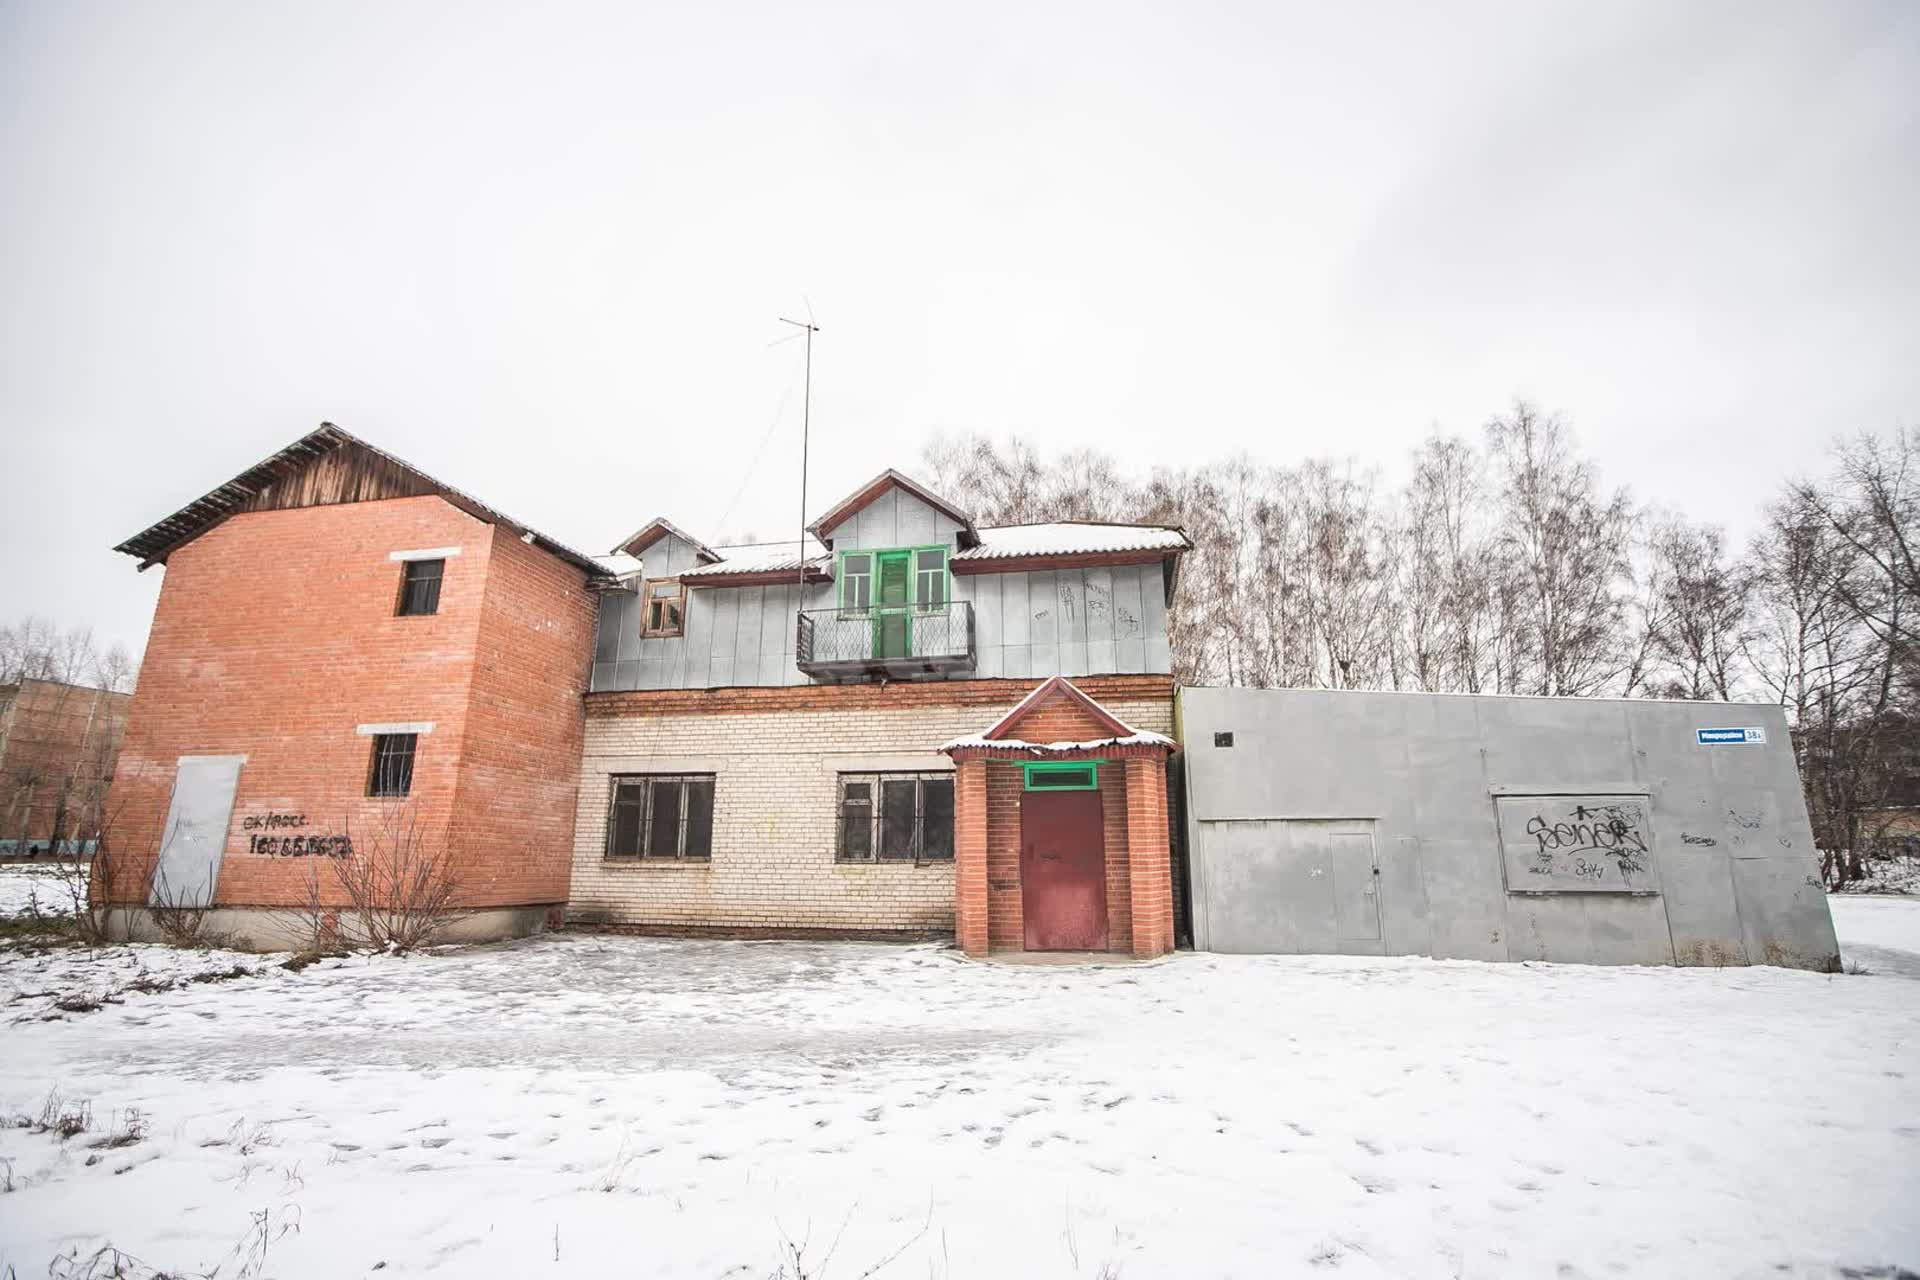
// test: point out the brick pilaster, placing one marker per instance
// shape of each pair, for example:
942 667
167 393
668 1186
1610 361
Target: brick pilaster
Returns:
970 856
1149 865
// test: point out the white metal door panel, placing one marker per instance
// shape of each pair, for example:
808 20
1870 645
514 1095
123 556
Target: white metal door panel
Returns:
195 836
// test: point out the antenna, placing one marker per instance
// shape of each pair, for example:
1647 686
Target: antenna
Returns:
806 426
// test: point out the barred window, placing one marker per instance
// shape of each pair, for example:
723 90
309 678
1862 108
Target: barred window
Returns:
420 587
895 817
661 815
392 771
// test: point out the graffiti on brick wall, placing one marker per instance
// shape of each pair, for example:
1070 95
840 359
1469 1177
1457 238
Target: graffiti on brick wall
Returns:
1576 844
281 835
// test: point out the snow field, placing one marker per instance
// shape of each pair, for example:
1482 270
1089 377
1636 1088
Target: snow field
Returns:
674 1108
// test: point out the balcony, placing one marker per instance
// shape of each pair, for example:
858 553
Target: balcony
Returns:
895 643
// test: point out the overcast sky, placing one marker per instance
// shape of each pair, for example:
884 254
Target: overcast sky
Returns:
539 250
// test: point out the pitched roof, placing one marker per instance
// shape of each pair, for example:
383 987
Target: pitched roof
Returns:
155 543
1072 537
1121 739
841 511
660 527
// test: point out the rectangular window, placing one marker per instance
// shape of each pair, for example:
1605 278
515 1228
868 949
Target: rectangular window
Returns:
856 580
895 817
392 771
930 578
420 587
661 816
1080 775
666 609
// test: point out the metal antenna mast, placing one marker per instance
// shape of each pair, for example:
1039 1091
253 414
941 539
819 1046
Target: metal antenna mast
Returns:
806 427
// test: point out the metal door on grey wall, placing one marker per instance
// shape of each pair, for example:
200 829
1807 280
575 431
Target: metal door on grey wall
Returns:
195 836
1299 886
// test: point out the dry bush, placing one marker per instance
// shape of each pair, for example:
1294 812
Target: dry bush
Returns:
401 889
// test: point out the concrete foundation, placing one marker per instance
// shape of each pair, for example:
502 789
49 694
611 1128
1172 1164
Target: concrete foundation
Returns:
1499 828
280 929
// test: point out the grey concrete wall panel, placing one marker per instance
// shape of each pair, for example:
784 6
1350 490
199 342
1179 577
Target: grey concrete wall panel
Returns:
1730 873
1581 843
1257 863
1783 912
195 836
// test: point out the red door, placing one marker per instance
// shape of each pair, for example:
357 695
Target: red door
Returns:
1063 871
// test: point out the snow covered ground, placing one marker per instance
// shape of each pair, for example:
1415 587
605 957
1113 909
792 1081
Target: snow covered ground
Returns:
624 1107
41 885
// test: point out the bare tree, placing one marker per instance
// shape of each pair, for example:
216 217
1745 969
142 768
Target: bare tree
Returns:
1567 543
1696 611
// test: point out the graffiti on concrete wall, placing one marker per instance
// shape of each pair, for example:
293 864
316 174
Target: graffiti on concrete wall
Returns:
1576 844
280 835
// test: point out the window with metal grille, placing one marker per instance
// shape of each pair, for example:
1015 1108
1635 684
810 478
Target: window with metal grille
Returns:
666 609
392 771
661 815
895 817
420 587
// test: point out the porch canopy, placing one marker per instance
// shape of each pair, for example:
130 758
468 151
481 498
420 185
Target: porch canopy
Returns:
1058 722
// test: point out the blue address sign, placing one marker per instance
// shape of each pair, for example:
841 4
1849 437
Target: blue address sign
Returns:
1730 737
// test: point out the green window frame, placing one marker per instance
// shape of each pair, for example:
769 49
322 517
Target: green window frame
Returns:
929 576
1061 775
854 574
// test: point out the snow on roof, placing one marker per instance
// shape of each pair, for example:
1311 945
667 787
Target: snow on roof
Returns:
619 564
762 557
1072 537
660 527
1018 746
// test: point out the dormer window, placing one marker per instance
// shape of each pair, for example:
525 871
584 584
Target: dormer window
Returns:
666 609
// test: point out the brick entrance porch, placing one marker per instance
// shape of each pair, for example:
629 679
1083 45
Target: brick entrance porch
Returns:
1059 738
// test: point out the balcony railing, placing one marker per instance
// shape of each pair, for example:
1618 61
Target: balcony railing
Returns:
850 644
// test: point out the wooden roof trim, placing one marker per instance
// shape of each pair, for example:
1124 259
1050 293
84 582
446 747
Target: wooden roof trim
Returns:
758 578
859 499
660 527
1059 560
161 539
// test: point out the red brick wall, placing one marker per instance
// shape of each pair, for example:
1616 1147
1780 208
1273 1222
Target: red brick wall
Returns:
970 891
520 766
1153 887
1006 925
1001 694
274 637
57 748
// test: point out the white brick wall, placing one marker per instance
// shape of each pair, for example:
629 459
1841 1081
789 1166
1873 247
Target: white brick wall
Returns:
775 791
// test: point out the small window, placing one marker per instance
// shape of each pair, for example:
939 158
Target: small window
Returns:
1081 775
392 771
666 613
420 587
856 580
930 578
661 816
895 817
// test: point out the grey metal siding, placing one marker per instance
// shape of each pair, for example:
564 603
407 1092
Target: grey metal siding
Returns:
1073 622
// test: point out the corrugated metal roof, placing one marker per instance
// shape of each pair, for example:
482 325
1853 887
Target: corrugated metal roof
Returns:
1071 537
766 557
